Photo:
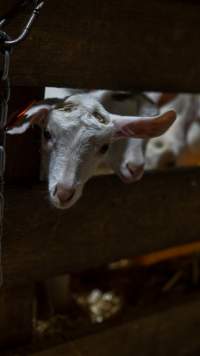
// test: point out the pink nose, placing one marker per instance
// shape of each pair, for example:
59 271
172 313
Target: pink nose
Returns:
135 171
63 193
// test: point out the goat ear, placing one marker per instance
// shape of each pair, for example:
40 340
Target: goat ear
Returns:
36 114
142 127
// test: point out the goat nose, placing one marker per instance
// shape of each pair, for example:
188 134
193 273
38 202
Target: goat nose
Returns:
131 172
63 193
136 171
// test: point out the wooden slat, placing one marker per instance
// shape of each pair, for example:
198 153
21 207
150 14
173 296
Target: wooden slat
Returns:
111 44
111 221
16 310
171 331
178 331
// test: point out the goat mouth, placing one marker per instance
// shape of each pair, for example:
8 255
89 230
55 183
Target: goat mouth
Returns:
125 179
70 197
68 203
132 176
137 173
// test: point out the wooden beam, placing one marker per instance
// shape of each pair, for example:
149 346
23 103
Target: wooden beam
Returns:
16 310
126 44
173 331
110 222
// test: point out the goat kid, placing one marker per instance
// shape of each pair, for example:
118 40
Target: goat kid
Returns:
124 157
181 139
78 132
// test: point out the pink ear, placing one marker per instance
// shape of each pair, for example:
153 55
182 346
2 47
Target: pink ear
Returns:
142 127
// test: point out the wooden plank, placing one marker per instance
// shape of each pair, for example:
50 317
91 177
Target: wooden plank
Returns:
110 222
174 331
128 44
16 315
167 327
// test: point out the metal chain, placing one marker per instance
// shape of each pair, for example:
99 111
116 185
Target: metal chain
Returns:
6 45
15 10
4 98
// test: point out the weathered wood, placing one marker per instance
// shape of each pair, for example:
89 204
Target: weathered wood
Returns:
111 44
171 331
16 315
111 221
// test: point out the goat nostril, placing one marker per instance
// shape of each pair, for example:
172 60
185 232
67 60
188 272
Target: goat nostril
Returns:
55 190
133 173
71 195
130 168
135 170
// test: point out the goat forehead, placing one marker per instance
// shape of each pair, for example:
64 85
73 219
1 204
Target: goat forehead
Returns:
88 104
77 124
60 124
74 138
78 117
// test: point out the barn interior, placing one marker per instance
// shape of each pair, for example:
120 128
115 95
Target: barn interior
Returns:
124 260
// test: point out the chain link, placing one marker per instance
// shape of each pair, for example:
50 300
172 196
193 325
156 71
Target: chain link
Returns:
4 98
37 5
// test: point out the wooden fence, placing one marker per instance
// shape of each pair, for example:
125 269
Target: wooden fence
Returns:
95 44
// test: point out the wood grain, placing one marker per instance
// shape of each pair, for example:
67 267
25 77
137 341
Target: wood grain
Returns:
16 308
170 331
128 44
110 222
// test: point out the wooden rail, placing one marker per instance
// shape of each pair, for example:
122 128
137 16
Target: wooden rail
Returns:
111 221
139 335
151 45
175 320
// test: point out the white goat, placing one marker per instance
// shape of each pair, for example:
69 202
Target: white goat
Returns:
166 151
191 154
124 157
78 132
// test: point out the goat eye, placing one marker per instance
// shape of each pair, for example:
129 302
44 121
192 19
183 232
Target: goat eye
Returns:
47 135
158 144
104 149
100 118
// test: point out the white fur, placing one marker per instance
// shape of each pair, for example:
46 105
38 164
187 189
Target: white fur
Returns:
78 132
164 151
72 161
125 157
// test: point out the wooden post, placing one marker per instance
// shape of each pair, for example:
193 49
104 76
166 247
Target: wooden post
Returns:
16 301
16 306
